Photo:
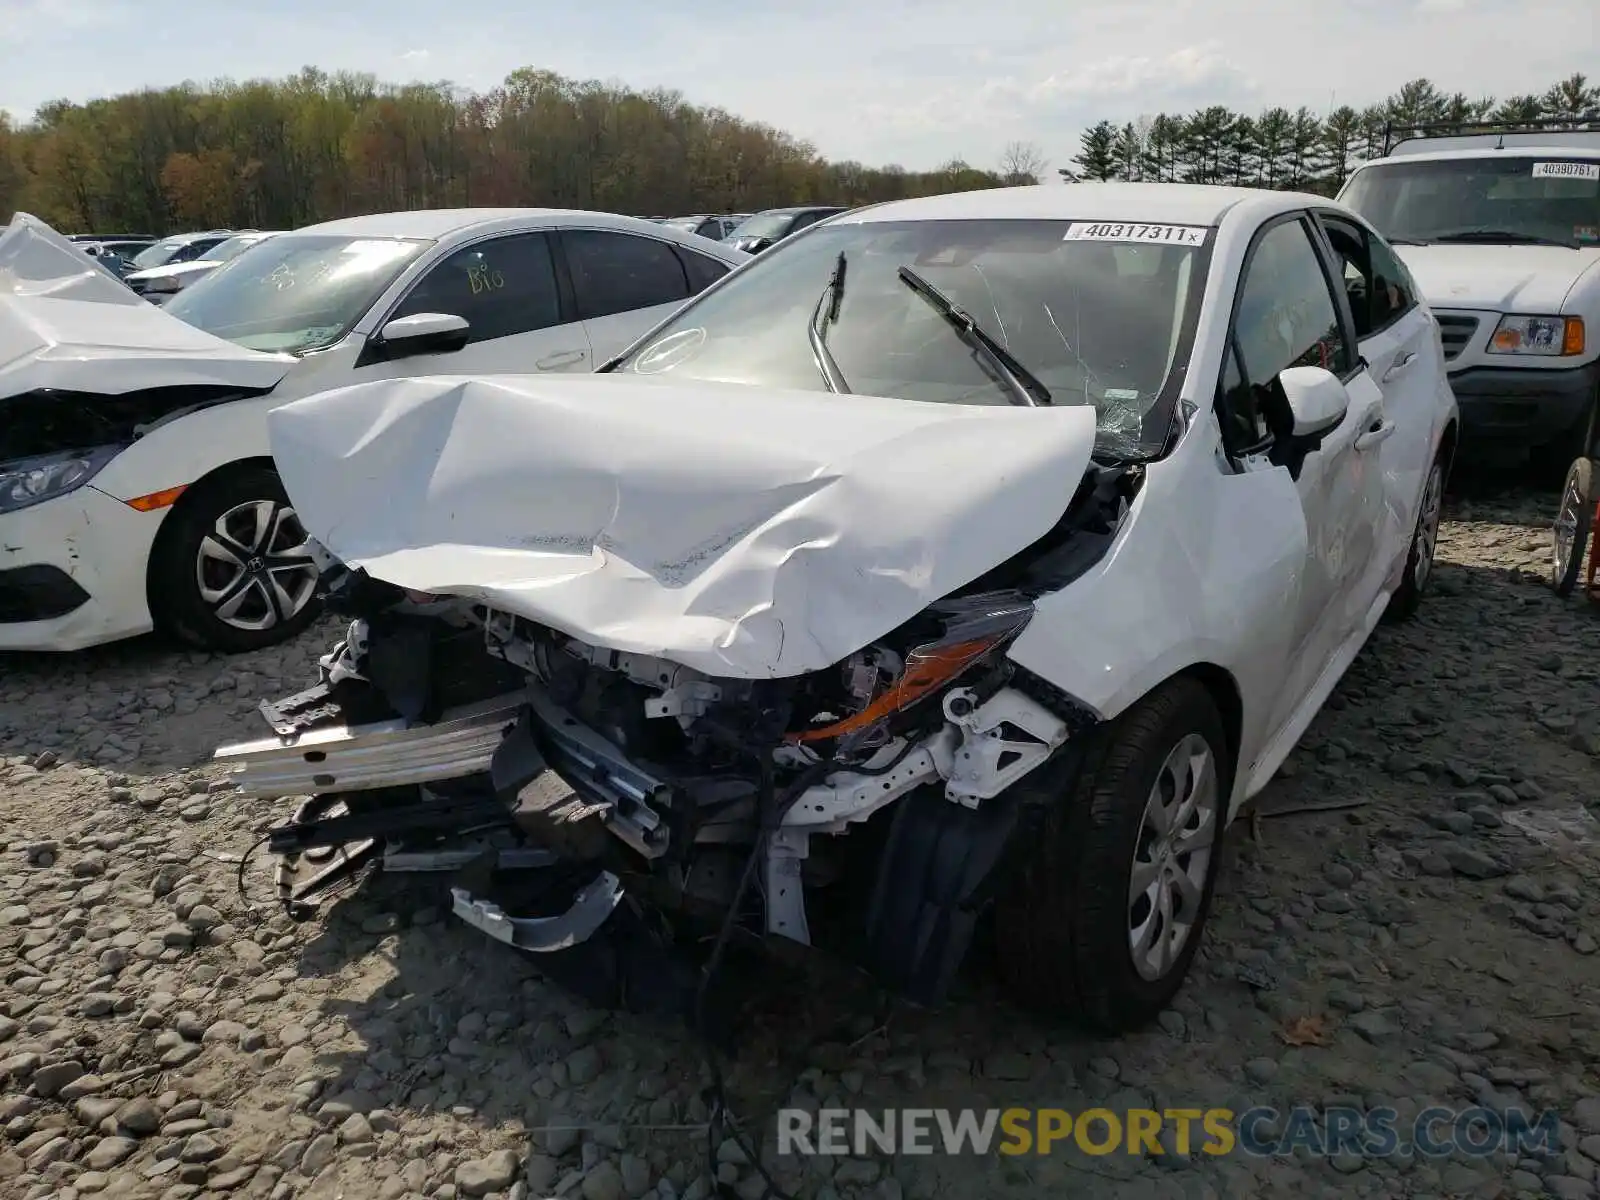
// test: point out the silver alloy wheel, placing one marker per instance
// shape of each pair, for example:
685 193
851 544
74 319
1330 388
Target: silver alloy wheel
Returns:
1427 541
1566 526
1172 856
253 569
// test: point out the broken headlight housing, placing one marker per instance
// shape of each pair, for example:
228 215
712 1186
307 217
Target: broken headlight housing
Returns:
29 481
972 630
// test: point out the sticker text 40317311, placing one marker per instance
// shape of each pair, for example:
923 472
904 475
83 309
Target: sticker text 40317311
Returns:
1124 231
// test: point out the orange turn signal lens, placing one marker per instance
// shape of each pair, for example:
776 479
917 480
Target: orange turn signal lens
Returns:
1572 341
156 500
926 669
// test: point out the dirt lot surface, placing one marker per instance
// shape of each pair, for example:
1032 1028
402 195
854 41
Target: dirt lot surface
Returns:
160 1038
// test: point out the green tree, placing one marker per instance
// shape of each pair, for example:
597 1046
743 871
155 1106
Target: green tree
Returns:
1097 156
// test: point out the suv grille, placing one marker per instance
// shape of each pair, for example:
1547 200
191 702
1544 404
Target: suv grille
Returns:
1455 333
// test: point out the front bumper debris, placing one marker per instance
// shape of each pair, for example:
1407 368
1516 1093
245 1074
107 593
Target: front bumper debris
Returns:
378 755
591 908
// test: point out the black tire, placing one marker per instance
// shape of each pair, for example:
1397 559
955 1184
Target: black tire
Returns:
179 605
1422 553
1062 924
1577 514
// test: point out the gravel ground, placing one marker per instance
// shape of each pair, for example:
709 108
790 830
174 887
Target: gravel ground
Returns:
158 1037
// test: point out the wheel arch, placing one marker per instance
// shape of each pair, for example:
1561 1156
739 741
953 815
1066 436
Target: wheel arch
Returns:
165 533
1448 441
1223 688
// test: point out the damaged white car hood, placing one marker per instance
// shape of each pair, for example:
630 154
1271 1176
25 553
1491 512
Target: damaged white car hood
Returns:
67 323
744 532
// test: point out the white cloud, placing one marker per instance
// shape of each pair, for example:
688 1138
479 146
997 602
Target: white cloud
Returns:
1150 77
416 56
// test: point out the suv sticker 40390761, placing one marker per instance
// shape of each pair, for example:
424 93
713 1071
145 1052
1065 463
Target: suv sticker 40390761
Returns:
1566 170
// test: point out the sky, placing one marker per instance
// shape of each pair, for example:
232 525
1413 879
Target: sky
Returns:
914 82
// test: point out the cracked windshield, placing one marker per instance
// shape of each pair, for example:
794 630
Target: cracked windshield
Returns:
1074 322
295 293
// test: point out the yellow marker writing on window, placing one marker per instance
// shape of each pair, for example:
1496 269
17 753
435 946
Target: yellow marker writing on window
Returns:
481 279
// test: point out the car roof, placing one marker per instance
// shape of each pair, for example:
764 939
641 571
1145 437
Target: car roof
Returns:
436 223
798 208
1519 150
1164 203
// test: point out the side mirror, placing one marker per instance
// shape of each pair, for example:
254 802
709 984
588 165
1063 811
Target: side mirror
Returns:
1317 400
424 333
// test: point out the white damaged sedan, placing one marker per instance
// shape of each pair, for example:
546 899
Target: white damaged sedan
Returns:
968 559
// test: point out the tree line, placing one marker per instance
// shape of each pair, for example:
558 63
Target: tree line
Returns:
1301 151
279 154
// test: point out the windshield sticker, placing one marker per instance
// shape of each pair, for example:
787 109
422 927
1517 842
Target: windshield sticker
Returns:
1101 231
1566 170
1586 233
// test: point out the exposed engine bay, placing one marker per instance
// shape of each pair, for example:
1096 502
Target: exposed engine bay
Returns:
625 790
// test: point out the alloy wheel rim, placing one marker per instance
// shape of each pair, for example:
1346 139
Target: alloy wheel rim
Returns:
1428 526
253 569
1566 527
1172 857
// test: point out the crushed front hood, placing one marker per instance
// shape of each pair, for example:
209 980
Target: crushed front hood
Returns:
743 532
1503 279
69 324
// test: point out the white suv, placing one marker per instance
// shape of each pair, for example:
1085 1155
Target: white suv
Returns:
1502 233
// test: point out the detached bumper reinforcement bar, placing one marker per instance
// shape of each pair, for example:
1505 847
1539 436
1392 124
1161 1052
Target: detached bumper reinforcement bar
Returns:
590 909
384 754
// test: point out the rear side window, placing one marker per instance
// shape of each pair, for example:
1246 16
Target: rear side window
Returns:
1378 285
621 272
703 270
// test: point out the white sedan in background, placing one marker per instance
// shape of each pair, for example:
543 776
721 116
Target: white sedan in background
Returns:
136 486
1048 516
160 284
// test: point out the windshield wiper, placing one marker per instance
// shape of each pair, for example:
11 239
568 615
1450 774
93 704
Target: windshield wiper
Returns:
827 312
1501 235
1021 380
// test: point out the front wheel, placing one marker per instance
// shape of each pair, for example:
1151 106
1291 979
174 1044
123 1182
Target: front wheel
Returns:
231 571
1103 920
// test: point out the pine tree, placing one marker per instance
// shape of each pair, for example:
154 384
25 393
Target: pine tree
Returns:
1097 156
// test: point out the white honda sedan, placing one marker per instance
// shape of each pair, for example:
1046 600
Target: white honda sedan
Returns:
136 486
1046 518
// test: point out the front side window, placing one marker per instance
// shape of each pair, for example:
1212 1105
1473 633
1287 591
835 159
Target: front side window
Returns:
1503 199
295 292
503 286
621 272
1102 324
1285 317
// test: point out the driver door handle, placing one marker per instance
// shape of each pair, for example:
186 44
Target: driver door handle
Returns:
561 358
1400 364
1379 432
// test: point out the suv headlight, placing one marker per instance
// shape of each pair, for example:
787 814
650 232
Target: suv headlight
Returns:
1547 336
30 481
